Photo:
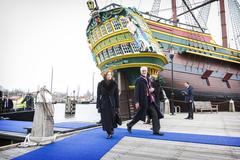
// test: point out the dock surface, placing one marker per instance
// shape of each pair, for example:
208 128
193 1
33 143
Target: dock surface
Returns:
129 147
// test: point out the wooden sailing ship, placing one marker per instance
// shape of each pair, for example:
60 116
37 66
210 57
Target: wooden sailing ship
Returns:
123 39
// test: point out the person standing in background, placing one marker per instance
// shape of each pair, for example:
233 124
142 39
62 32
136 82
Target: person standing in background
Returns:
7 104
188 93
1 101
29 101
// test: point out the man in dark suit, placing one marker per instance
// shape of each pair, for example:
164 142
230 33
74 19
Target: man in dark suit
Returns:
1 101
8 104
144 101
188 93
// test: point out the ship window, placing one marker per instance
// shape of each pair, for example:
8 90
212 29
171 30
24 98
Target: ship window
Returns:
117 50
98 33
124 22
116 25
134 46
109 28
191 44
200 45
205 47
105 54
92 37
95 35
126 48
209 48
103 30
111 52
101 57
195 44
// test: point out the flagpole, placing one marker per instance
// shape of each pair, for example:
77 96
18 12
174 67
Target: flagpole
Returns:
52 80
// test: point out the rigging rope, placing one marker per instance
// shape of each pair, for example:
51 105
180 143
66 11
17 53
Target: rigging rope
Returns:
234 9
204 14
155 7
188 16
139 4
182 6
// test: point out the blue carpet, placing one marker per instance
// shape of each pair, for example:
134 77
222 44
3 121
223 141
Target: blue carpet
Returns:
74 125
18 126
92 145
14 126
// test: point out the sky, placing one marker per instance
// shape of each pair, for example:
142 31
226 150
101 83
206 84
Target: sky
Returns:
38 35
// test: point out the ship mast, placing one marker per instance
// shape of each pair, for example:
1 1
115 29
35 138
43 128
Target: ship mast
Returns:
223 23
96 4
174 12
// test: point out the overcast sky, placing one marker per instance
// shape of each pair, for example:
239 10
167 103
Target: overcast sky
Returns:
36 35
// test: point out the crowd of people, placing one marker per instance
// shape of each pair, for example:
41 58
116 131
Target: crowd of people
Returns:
7 105
148 94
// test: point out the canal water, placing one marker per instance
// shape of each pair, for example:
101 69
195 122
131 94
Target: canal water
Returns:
84 113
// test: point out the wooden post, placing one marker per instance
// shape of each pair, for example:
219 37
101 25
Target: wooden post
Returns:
223 24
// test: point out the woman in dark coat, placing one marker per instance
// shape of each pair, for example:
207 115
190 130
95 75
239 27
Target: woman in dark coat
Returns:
108 103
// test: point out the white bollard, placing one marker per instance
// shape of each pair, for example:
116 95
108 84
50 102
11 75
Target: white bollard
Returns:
167 106
231 106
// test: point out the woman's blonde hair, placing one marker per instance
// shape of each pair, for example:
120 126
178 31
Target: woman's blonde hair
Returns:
105 73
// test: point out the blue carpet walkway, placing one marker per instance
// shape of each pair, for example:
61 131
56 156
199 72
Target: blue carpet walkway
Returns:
92 145
18 126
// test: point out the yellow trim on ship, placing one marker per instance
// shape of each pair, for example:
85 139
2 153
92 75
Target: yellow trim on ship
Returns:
124 30
129 55
177 28
195 32
115 32
109 35
187 39
199 42
121 66
114 44
202 50
214 57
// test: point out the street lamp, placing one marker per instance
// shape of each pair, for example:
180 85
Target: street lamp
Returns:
171 56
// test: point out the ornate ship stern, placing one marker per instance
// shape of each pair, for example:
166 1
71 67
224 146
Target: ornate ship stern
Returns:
121 41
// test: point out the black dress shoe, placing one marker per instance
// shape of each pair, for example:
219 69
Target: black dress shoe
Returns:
158 133
186 118
129 128
190 118
109 136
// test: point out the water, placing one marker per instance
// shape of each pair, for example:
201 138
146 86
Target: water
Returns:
84 113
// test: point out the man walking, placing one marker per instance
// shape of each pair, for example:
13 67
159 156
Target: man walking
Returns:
188 93
144 101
